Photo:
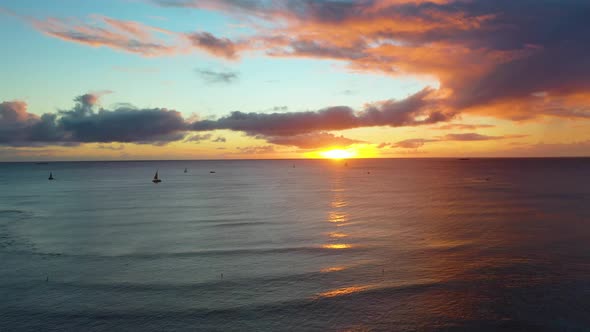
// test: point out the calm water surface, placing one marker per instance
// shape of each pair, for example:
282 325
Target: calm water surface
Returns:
399 245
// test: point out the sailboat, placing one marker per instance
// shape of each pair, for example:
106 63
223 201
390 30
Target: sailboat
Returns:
186 170
156 179
50 176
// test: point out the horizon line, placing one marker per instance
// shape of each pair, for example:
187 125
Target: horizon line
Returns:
288 159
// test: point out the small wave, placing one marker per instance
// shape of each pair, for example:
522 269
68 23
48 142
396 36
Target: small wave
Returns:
210 252
306 313
12 212
377 289
210 285
238 224
14 215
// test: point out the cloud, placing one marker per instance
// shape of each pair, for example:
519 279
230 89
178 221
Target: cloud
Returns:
212 76
133 37
100 31
111 147
13 112
266 149
572 149
219 139
198 138
476 137
491 57
469 137
416 143
312 140
461 126
418 109
517 60
222 47
87 123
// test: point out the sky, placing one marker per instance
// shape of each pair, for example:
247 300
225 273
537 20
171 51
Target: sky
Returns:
234 79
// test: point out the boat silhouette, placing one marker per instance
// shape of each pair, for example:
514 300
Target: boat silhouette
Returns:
50 176
186 170
156 178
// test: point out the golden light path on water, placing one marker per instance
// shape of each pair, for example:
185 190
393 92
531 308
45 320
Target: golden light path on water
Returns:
337 217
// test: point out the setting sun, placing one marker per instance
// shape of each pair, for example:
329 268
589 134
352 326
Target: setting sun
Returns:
338 154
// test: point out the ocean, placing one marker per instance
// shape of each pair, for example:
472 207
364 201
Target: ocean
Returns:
300 245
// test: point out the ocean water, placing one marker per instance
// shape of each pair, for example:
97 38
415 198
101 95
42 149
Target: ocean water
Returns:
402 245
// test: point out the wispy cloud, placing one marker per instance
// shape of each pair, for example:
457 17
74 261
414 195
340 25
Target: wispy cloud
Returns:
214 76
111 147
462 126
198 138
416 143
413 143
266 149
128 36
313 140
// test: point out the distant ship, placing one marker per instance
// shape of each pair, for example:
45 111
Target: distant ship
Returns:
186 170
156 179
50 176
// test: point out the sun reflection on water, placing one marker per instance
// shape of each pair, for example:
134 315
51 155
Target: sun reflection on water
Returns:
332 269
343 291
338 235
337 215
337 246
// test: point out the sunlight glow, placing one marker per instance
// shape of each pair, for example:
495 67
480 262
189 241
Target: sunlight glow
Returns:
338 154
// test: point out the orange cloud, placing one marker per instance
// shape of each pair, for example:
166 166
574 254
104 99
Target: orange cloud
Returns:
489 56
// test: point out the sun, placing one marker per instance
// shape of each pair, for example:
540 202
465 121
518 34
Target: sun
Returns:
338 154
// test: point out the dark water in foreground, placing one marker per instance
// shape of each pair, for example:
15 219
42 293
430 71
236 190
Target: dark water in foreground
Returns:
414 245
